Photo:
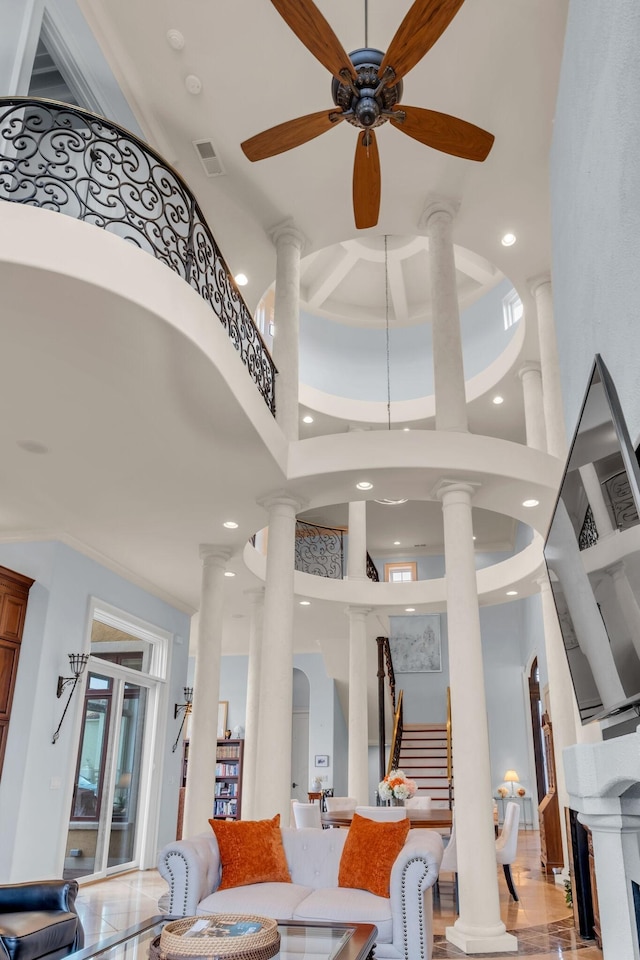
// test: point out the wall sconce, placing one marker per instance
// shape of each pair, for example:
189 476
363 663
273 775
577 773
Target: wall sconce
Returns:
78 662
185 709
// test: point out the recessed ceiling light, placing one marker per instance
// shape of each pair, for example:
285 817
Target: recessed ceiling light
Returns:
230 525
229 573
241 279
396 543
512 593
508 240
475 538
305 603
498 400
530 503
409 609
307 419
364 485
406 429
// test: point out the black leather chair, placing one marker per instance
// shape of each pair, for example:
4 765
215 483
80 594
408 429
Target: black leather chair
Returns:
39 920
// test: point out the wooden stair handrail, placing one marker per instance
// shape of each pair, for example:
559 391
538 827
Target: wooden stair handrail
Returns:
396 740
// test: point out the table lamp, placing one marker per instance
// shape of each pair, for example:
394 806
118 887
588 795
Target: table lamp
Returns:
512 777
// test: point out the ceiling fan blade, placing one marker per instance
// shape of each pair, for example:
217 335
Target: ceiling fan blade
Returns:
310 26
366 181
286 136
421 27
446 133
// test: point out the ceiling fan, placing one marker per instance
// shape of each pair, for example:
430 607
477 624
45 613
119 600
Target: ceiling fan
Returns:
367 89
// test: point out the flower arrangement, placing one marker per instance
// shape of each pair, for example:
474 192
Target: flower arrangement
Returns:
396 786
503 791
521 792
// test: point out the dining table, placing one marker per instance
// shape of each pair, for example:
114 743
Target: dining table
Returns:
433 819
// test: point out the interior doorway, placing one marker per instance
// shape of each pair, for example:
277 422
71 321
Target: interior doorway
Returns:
300 737
535 703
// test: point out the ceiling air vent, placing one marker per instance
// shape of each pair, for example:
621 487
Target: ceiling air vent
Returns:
209 158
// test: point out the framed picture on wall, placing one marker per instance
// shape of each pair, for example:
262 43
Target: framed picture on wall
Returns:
223 707
322 760
415 644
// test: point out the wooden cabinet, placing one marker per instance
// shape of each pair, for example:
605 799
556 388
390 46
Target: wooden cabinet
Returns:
227 802
14 593
548 811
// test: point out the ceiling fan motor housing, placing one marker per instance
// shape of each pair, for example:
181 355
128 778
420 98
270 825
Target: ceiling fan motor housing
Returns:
362 105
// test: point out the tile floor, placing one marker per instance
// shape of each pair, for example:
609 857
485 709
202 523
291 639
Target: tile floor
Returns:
541 920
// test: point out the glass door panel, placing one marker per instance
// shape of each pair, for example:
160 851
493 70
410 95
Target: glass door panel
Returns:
122 844
104 811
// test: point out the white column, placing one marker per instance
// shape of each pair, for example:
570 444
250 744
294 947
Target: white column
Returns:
357 548
286 338
273 789
448 369
551 384
479 928
253 703
358 764
198 806
531 379
627 600
593 489
561 701
21 23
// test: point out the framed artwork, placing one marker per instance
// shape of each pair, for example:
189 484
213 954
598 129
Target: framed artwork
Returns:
415 644
322 760
223 707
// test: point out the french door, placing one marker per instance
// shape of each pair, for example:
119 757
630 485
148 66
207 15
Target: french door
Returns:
112 773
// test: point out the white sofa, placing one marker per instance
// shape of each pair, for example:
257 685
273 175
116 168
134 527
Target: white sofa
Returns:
192 869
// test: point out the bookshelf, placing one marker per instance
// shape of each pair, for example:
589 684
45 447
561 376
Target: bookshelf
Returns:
227 801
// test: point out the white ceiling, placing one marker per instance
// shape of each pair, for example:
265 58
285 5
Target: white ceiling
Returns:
496 66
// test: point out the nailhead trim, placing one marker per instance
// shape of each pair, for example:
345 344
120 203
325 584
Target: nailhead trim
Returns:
167 860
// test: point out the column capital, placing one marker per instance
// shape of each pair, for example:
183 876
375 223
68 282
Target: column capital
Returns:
538 281
531 366
283 499
286 232
214 555
438 210
255 595
358 613
464 490
543 582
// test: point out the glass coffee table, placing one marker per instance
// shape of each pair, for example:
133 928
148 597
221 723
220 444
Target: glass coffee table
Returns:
311 941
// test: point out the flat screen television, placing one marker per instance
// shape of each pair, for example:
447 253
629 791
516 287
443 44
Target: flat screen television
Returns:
592 553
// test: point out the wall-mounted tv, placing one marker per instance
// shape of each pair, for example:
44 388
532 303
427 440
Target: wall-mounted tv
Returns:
592 553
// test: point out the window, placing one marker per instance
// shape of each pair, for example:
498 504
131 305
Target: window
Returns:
512 309
400 572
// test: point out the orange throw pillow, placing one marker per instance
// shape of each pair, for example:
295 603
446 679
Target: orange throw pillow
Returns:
251 851
369 853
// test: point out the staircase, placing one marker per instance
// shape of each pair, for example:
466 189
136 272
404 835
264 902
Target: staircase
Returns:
423 757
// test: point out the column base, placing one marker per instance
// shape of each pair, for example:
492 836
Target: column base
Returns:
479 943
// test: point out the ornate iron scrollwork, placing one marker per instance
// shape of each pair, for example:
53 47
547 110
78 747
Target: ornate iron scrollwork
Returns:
319 550
66 159
589 532
621 499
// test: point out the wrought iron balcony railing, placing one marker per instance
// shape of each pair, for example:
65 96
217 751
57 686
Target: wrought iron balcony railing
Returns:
320 551
66 159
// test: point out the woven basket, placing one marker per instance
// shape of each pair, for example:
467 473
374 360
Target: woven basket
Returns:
173 945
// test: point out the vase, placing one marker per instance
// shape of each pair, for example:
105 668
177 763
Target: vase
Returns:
397 802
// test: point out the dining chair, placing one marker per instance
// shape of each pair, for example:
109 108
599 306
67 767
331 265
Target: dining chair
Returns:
306 815
382 813
418 803
340 803
507 843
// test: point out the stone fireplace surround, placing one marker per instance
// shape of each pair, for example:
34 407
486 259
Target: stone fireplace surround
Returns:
603 783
